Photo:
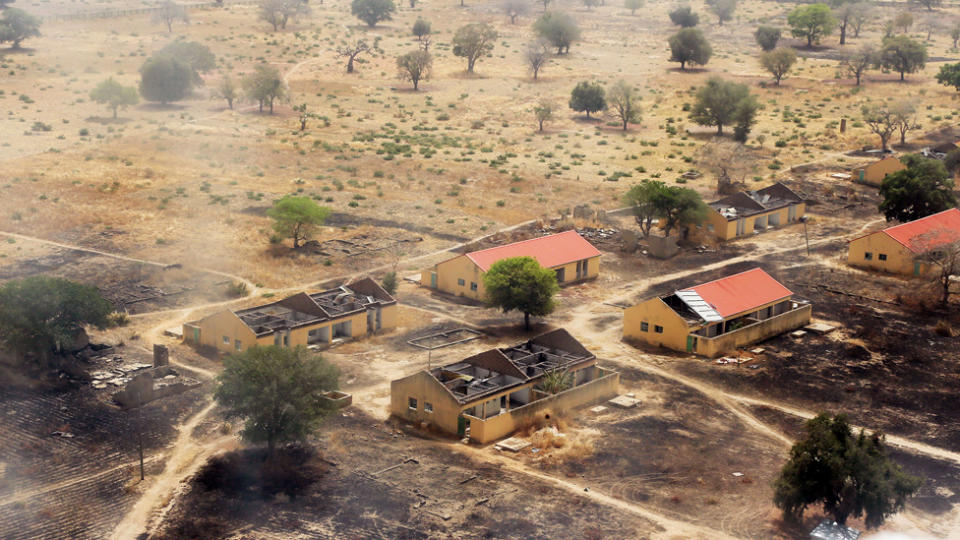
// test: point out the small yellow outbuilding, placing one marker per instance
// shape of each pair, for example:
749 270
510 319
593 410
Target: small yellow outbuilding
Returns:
874 173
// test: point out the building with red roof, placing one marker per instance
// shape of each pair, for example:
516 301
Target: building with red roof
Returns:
717 317
900 249
570 255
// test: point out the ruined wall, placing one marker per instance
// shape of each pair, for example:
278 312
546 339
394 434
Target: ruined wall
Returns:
729 342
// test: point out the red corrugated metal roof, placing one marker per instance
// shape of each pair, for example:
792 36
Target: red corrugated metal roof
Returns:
549 251
924 234
741 292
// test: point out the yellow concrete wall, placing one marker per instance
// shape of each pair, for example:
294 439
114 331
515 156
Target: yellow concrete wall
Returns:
388 317
874 173
448 272
570 270
224 323
425 389
729 342
502 425
727 230
899 259
655 312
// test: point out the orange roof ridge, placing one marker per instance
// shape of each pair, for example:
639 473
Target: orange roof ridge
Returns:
549 251
741 292
907 234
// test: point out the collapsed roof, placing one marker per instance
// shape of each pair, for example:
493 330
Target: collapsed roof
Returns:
749 203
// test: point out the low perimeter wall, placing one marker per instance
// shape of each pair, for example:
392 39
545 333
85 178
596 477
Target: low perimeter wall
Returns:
729 342
497 427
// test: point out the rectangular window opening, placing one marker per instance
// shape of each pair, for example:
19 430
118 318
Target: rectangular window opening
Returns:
412 403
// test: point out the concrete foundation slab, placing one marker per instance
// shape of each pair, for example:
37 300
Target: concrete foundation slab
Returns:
624 402
513 444
820 328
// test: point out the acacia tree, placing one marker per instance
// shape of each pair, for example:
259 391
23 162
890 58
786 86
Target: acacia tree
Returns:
265 85
857 62
278 12
17 25
415 66
373 11
196 55
847 474
717 103
297 218
689 46
767 37
421 29
903 55
278 392
684 17
559 29
537 55
640 198
473 41
723 9
778 62
170 12
905 117
949 75
515 8
42 315
114 95
165 79
811 22
633 5
903 21
940 251
622 101
351 52
922 189
227 89
729 161
679 208
543 110
860 14
881 120
588 97
521 284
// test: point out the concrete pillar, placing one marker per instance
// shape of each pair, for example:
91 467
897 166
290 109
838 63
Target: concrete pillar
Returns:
161 356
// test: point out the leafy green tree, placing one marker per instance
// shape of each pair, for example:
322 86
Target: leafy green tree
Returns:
227 89
265 85
279 12
373 11
17 25
850 475
297 218
903 55
778 61
114 95
684 16
623 101
278 392
744 117
903 21
767 37
922 189
415 66
811 22
543 110
679 207
633 5
559 29
689 46
857 62
42 315
640 197
588 97
169 13
718 102
473 41
521 284
390 282
197 55
723 9
421 28
165 79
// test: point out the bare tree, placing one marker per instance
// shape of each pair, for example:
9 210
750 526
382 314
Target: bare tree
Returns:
515 8
881 120
860 14
622 100
537 55
728 160
303 115
170 12
228 90
942 260
905 116
279 12
350 52
857 62
415 66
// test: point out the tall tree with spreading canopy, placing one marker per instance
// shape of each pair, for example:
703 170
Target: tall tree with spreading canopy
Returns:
559 29
922 189
850 475
197 55
17 25
588 97
881 120
521 284
857 62
473 41
169 13
373 11
949 75
640 198
811 22
723 9
767 37
421 29
717 103
114 95
42 315
277 392
277 13
227 89
165 79
860 14
683 16
903 55
778 62
688 46
265 85
297 218
623 103
415 66
679 207
633 5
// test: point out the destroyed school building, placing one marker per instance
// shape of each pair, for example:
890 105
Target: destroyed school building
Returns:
900 249
717 317
750 212
311 320
489 395
568 254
